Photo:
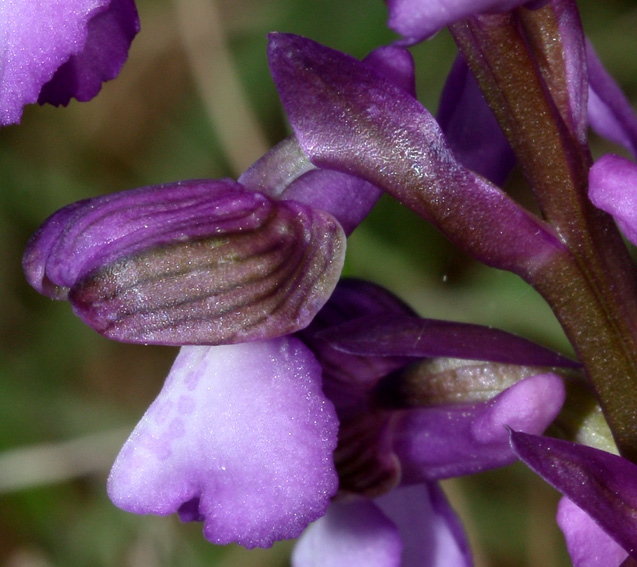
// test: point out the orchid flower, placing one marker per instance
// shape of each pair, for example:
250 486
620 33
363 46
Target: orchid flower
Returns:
218 262
55 50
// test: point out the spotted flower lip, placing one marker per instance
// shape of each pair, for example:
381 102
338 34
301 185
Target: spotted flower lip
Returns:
241 438
197 262
61 49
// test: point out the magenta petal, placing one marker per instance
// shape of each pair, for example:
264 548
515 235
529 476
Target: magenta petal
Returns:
613 188
602 484
350 534
587 543
418 19
443 442
241 437
431 532
110 34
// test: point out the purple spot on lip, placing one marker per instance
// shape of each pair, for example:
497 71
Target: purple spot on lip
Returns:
186 405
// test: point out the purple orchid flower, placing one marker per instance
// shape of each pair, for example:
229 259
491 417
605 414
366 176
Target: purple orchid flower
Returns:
57 50
188 454
404 427
219 262
598 512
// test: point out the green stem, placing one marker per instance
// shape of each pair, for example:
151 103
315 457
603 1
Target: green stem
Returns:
593 294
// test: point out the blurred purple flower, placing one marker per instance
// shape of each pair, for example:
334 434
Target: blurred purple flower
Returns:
613 188
416 20
55 50
598 512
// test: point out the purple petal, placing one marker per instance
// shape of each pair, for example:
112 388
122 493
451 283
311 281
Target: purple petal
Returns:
613 188
285 173
198 262
416 20
352 299
397 334
38 40
396 64
110 34
431 532
587 543
609 111
443 442
471 127
241 437
349 118
350 534
602 484
347 198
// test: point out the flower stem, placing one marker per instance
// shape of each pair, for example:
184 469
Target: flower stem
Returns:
593 293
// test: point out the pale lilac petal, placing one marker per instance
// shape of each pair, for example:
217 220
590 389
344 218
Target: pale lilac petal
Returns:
613 188
609 111
587 543
431 533
396 64
110 34
38 37
471 127
350 534
416 20
443 442
240 437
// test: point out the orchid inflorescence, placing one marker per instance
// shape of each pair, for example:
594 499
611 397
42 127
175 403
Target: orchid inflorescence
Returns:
303 404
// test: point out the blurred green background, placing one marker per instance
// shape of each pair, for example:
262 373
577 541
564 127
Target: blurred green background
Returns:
196 100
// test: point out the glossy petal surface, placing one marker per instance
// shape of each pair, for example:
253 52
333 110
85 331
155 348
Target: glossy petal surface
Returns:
613 188
443 442
602 484
198 262
240 437
587 543
110 34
